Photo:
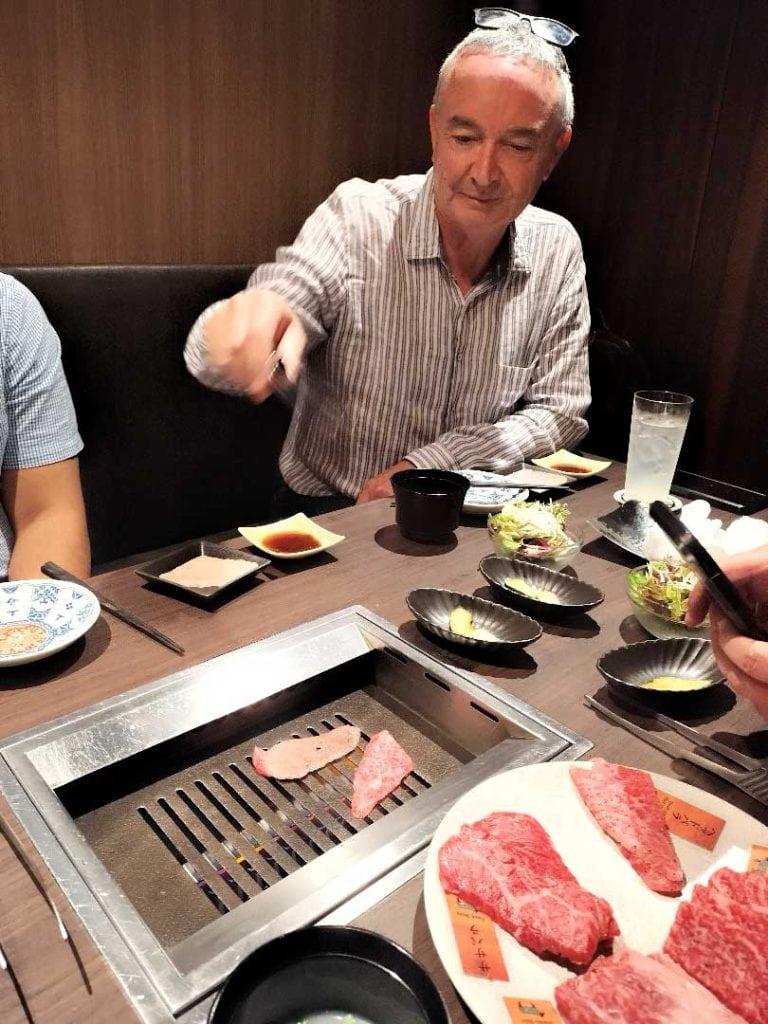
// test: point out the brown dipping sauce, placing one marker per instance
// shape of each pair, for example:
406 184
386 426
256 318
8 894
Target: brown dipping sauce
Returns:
565 468
290 541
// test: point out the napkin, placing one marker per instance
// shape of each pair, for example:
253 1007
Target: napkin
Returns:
742 534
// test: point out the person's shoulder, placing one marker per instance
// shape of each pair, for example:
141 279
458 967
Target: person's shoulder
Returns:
535 220
14 295
23 322
383 193
16 302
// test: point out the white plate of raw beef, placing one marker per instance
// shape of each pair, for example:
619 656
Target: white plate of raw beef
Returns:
547 793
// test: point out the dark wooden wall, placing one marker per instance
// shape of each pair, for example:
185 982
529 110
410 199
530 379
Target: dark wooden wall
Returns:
205 130
202 130
667 183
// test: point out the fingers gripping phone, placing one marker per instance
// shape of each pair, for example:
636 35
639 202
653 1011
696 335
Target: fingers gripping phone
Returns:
722 591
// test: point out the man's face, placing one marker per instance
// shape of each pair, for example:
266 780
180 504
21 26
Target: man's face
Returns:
496 136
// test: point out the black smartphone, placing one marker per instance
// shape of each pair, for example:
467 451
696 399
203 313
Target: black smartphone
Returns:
728 497
723 592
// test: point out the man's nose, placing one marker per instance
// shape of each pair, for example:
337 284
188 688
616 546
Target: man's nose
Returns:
485 170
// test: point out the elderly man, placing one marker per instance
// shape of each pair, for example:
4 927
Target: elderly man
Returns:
42 517
435 321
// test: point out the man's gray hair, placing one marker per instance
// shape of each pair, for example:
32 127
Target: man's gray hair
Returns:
514 40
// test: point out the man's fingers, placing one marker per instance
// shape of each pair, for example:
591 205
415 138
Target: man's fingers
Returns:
748 657
242 334
291 348
698 605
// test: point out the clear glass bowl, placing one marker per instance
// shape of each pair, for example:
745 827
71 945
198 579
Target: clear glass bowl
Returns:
556 558
656 621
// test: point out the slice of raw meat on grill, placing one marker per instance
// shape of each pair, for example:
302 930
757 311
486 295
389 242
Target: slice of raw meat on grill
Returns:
623 802
630 988
506 866
382 768
293 759
720 938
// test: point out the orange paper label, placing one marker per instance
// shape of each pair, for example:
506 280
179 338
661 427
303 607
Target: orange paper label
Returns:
758 859
689 822
531 1011
476 939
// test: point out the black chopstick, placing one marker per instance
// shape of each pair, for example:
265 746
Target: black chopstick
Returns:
57 573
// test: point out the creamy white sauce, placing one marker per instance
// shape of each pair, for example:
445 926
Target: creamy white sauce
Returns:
207 571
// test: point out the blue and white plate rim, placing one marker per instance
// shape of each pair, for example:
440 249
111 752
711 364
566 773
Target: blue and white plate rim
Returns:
57 637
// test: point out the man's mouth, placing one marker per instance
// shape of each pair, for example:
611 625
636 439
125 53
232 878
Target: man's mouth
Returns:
482 200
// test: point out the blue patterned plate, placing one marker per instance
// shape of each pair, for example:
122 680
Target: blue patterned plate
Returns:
483 500
41 617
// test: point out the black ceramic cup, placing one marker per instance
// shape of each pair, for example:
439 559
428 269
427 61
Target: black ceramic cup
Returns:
428 503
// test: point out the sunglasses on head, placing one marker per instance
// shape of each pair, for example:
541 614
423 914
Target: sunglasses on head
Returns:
554 32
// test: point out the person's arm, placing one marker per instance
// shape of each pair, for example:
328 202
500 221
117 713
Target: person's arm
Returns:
287 304
45 507
744 662
551 412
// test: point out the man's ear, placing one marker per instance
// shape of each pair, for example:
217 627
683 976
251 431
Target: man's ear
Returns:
433 124
562 143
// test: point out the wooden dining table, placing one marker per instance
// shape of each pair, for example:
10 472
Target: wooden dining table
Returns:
53 982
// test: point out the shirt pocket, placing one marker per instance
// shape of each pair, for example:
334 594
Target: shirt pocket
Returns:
512 384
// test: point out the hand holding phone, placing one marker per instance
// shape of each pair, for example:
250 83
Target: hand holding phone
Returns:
721 589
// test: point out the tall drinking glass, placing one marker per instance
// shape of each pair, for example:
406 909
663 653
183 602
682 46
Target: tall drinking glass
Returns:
659 419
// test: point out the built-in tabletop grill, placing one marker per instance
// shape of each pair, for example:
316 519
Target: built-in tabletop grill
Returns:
180 859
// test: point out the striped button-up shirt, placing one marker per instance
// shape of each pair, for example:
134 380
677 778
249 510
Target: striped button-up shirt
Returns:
401 365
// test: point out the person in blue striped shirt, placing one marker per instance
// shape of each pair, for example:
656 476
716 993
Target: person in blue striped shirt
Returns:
42 516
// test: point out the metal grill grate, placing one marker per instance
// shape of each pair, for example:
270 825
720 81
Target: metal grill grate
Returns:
236 833
214 835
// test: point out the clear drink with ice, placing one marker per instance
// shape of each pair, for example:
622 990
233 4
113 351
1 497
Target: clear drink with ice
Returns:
659 419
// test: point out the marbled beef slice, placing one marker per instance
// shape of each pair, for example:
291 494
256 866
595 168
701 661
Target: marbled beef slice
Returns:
624 804
630 988
720 937
382 768
506 866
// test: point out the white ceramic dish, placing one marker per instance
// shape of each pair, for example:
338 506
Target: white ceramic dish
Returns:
546 792
64 610
565 462
483 500
259 536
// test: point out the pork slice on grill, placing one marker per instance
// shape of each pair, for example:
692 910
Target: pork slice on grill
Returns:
630 988
382 768
293 759
506 866
624 803
720 938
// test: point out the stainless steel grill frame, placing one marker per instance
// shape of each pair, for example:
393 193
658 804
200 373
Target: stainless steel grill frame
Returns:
459 728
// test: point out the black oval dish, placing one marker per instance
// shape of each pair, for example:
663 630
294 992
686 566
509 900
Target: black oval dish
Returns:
432 608
628 668
574 596
346 970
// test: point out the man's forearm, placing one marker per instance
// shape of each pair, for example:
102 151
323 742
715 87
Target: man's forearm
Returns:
50 537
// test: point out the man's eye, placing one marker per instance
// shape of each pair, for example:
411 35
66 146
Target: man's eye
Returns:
463 140
519 147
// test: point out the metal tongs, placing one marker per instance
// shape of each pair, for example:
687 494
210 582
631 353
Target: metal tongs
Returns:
751 779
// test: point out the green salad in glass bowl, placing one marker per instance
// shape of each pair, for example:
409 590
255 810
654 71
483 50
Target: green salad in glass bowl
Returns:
536 531
659 592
